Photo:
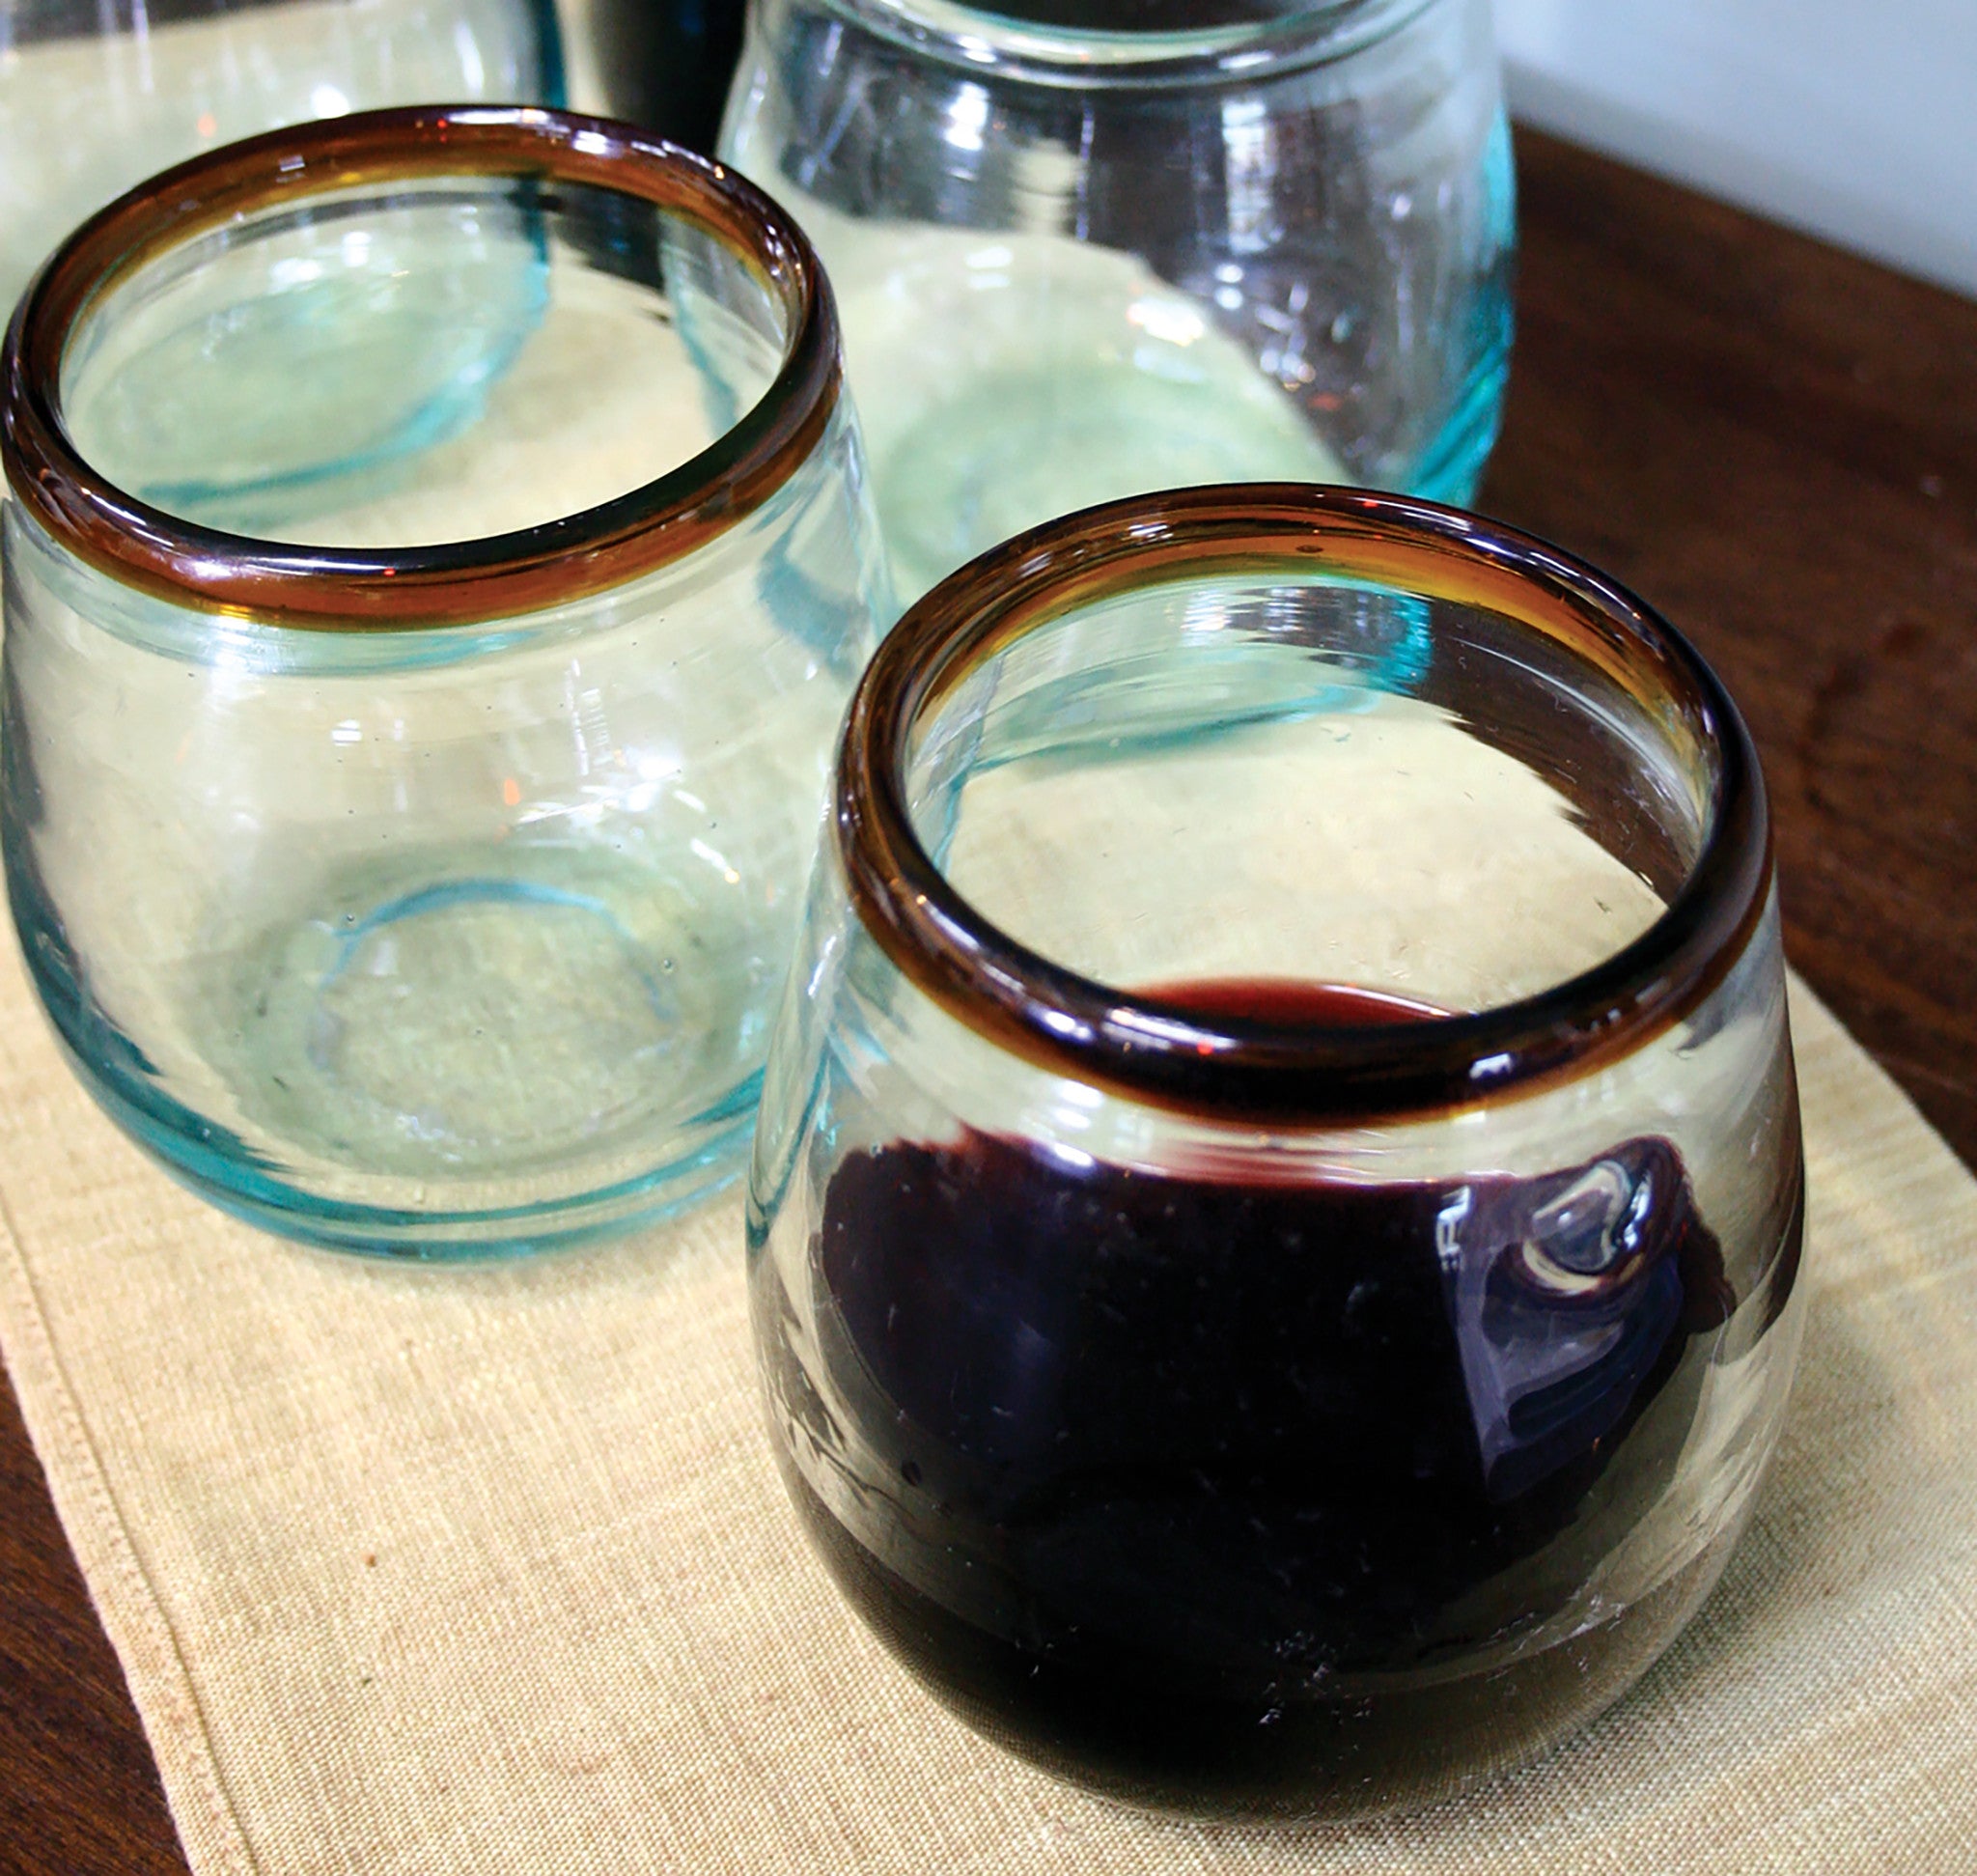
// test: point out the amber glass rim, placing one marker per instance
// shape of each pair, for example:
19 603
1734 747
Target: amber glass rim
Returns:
1161 1054
414 587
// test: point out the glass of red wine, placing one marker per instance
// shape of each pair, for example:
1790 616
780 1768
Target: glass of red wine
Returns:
1277 1200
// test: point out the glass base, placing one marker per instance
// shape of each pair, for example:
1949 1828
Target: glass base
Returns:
1375 1744
946 501
427 1057
1014 449
199 1158
482 1017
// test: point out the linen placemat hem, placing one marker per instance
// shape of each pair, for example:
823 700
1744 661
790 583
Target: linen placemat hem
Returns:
120 1589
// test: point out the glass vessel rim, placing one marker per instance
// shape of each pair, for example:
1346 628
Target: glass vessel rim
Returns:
413 588
1161 1054
988 38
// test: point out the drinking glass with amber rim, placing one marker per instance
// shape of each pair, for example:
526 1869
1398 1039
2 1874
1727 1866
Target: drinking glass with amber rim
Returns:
97 95
1089 248
438 566
1276 1206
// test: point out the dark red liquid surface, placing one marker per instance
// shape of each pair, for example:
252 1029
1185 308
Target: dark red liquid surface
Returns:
1246 1498
1291 1001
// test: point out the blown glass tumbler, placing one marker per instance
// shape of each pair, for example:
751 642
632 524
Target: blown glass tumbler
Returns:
95 94
1086 248
1277 1208
437 565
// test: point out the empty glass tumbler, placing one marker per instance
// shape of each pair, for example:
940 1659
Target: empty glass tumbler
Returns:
1277 1208
95 94
1085 248
436 566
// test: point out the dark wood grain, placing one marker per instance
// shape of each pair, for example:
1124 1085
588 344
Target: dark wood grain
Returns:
80 1795
1774 443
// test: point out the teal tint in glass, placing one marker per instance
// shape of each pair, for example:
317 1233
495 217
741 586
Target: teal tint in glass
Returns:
96 95
1087 248
438 566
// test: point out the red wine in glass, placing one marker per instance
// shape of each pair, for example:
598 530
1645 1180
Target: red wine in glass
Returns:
1240 1495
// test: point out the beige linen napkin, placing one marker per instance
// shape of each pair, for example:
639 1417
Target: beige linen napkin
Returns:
488 1569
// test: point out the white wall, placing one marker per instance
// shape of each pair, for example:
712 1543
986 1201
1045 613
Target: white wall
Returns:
1854 119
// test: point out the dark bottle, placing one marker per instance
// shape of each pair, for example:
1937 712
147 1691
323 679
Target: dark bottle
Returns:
666 63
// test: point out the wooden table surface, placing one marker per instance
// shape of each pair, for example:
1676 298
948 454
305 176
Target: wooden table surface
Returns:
1774 443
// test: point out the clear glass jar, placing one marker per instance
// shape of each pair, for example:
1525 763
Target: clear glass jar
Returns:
437 565
1278 1196
95 94
1086 248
